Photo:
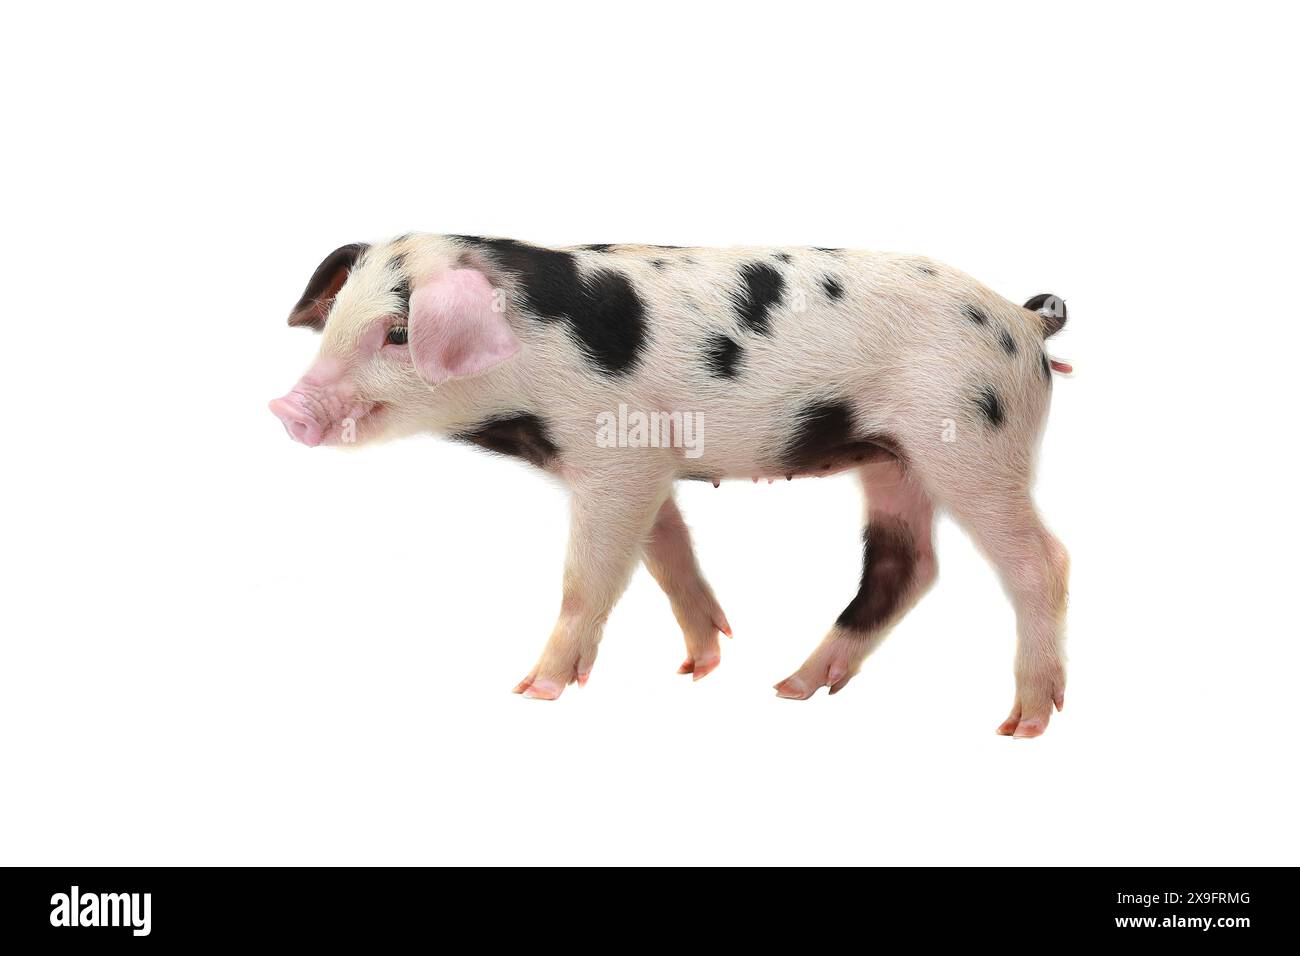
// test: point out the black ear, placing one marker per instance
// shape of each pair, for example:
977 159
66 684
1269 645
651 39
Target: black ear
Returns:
324 285
1052 309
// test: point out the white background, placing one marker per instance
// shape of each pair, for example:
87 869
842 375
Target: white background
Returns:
221 647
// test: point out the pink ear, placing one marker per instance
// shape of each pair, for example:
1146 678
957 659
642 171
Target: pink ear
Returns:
454 331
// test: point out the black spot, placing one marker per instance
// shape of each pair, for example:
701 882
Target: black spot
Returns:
762 289
783 256
548 278
403 287
314 303
975 314
827 249
721 355
1047 368
520 435
668 247
826 440
598 246
991 406
611 325
925 270
832 287
658 263
403 292
888 567
1006 341
604 314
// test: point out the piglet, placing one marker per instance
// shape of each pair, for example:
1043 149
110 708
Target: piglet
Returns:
622 369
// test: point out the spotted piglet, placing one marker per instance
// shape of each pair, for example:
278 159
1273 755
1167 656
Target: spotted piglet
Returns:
621 369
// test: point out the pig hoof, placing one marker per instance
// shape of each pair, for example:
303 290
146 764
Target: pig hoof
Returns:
1026 722
703 652
832 665
792 688
1029 728
1023 728
539 688
699 668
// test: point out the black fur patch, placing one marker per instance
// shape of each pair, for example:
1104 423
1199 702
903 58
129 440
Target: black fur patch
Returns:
403 288
991 406
403 292
658 263
721 355
598 246
611 323
762 289
888 567
521 436
826 441
1047 368
827 249
975 314
925 270
832 287
783 256
605 315
1006 341
314 303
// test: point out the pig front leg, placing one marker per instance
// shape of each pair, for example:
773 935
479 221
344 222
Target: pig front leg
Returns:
609 522
671 560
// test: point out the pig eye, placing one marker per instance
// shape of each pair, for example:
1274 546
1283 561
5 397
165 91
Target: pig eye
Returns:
396 335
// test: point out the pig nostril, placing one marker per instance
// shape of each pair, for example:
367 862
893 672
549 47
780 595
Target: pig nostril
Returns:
299 423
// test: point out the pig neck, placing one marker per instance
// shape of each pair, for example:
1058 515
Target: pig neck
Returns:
457 405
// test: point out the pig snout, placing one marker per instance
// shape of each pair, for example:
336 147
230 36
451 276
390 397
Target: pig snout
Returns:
298 420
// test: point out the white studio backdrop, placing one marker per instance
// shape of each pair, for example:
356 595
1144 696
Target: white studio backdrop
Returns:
221 647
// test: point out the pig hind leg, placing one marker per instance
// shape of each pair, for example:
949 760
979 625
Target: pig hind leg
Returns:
898 567
1034 569
671 560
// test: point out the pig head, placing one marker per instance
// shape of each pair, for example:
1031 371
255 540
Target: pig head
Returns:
393 332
